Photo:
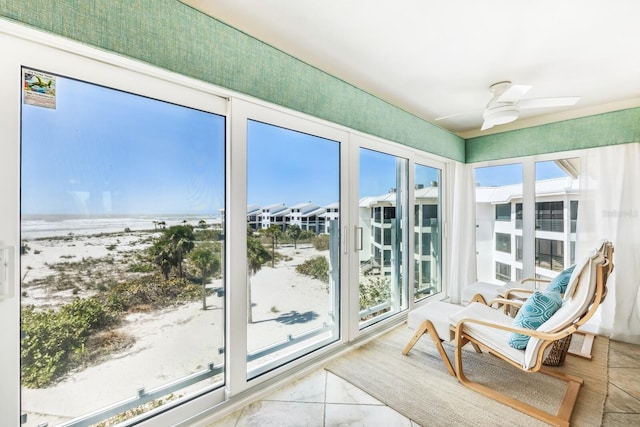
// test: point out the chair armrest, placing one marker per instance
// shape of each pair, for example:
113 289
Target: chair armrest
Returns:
512 293
546 336
507 305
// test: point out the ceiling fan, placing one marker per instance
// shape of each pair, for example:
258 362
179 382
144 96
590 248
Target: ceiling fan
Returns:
506 102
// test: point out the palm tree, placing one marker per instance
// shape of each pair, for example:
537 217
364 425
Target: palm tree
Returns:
257 255
294 231
273 232
182 241
208 263
170 249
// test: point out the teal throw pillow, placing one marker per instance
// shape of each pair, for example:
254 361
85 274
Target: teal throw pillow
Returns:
536 310
560 282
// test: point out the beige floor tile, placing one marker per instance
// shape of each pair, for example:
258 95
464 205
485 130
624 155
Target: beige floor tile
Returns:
624 355
363 416
307 389
620 401
340 391
626 379
620 420
282 414
229 421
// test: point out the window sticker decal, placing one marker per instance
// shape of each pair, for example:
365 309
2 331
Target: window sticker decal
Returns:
39 88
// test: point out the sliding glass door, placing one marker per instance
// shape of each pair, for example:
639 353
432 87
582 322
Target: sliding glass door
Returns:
122 243
381 235
293 241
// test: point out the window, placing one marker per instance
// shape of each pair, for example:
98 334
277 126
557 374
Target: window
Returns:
503 212
427 201
494 185
519 216
307 263
503 272
383 180
518 248
574 215
503 242
550 216
123 240
550 254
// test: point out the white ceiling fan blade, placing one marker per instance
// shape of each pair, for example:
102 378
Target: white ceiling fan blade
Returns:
487 124
513 93
548 102
451 116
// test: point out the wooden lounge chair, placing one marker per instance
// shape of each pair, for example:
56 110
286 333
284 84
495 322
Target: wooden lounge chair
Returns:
490 329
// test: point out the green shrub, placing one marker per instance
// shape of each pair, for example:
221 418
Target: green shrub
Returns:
374 291
321 242
54 338
317 267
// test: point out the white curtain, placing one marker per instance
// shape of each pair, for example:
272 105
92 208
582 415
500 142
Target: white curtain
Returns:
609 207
462 229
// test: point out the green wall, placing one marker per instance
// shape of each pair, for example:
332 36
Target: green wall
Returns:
171 35
618 127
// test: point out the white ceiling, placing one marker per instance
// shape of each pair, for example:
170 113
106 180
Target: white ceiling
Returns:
438 58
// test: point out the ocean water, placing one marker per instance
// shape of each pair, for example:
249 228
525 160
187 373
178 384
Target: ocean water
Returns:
33 227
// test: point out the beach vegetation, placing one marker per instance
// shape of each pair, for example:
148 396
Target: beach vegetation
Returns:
57 341
172 247
321 242
316 267
257 256
273 233
294 231
374 291
208 263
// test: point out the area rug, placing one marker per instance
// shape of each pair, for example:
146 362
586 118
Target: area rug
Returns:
419 386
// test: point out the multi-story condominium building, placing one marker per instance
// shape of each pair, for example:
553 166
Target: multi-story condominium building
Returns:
307 216
499 229
274 215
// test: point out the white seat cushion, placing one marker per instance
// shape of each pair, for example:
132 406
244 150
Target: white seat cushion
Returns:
438 313
497 339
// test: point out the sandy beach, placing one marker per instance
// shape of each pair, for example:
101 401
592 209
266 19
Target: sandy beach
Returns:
169 343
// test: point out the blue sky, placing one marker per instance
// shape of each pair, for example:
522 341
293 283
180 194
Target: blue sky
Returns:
102 152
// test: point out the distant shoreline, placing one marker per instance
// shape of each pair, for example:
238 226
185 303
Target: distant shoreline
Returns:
53 225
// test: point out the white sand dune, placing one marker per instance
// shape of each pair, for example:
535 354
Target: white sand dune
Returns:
174 342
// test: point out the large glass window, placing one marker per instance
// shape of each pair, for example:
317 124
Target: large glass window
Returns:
122 245
503 212
503 272
383 188
293 256
429 254
503 242
496 186
550 216
550 254
556 213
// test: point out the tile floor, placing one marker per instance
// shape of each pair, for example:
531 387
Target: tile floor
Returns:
323 399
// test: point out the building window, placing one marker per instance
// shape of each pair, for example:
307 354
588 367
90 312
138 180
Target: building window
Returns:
429 213
550 254
519 248
503 212
387 236
503 271
550 216
573 215
503 242
518 216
